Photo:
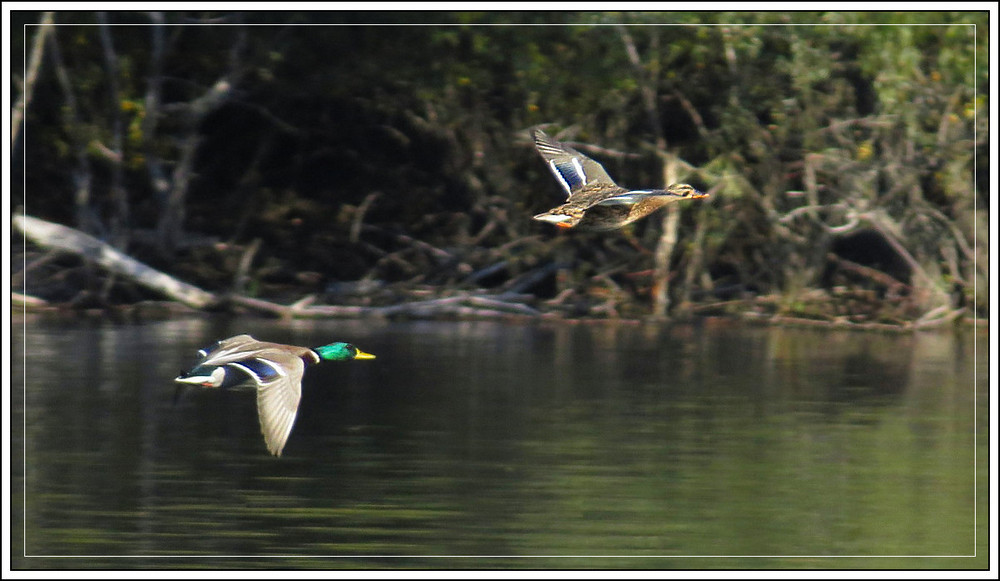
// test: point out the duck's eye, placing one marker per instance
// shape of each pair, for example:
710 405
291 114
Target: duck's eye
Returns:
352 349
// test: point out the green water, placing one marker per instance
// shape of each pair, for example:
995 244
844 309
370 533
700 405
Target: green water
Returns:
490 445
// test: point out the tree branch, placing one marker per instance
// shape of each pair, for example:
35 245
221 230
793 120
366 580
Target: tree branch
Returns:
30 77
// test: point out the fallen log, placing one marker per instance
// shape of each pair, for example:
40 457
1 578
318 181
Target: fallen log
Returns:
463 305
938 317
894 286
57 236
63 238
300 309
26 301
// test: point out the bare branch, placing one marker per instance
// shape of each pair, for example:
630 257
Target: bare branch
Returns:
647 87
692 111
172 219
359 216
30 77
810 211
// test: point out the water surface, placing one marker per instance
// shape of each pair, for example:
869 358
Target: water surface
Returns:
481 444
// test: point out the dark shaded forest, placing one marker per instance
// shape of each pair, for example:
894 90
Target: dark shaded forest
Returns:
344 164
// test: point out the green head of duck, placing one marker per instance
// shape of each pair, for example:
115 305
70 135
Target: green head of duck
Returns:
341 352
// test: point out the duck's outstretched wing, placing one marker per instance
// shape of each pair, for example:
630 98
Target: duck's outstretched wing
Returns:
278 396
574 171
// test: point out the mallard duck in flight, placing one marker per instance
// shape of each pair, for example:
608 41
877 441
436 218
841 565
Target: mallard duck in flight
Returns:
272 369
595 201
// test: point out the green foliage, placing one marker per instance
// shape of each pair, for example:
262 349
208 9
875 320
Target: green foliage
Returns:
849 112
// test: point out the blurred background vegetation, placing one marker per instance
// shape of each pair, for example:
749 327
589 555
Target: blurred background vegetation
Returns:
357 155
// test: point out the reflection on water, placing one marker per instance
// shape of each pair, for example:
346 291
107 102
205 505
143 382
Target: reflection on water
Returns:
648 446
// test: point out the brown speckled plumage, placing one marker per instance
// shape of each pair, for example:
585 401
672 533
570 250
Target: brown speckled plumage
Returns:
595 201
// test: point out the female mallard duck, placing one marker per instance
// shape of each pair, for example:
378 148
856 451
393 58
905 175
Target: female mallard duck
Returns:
273 369
595 201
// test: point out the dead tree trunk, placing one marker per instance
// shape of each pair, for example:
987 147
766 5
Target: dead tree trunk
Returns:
83 175
171 222
30 76
665 245
119 221
671 215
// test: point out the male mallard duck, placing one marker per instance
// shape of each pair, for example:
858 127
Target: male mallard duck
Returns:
595 201
273 369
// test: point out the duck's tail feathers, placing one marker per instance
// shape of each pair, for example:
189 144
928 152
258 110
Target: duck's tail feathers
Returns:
561 220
